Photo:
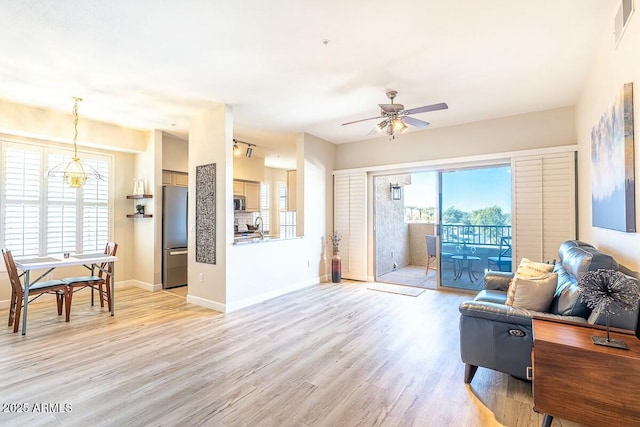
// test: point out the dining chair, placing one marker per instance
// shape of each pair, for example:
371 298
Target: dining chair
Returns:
57 287
100 282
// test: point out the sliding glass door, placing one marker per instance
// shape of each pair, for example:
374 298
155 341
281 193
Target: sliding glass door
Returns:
475 225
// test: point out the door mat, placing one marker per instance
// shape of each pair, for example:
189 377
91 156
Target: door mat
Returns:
395 289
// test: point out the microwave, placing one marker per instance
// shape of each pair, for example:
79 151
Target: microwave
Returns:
239 204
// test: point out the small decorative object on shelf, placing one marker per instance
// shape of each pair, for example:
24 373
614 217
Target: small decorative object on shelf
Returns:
600 289
138 186
140 209
336 262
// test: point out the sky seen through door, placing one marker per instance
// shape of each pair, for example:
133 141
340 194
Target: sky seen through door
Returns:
466 190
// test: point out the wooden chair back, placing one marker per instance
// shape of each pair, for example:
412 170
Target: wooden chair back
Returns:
12 272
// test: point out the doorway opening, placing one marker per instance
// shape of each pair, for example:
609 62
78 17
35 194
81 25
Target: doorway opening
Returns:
405 212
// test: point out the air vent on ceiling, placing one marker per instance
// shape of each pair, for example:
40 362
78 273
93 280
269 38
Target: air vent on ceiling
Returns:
622 19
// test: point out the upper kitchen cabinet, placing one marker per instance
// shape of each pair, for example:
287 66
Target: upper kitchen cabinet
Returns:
179 179
248 168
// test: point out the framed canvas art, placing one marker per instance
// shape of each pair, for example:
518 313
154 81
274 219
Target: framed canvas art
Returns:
612 166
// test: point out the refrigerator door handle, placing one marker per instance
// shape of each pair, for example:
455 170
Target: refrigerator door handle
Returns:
178 253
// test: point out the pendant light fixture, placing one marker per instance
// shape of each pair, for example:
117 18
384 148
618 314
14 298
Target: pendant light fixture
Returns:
74 173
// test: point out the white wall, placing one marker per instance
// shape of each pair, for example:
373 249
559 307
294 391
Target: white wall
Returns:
612 67
210 141
175 154
147 238
549 128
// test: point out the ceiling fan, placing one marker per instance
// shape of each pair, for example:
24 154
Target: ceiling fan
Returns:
395 117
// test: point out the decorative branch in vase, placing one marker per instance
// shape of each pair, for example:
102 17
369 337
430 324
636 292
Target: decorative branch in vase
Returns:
601 289
335 240
336 262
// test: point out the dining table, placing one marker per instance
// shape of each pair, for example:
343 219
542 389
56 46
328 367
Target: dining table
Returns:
91 261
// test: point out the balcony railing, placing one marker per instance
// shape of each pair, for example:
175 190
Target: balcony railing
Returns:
486 235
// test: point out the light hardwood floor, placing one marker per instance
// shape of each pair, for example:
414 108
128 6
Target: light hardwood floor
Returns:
328 355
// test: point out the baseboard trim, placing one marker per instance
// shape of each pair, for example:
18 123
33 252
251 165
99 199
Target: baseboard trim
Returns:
139 284
206 303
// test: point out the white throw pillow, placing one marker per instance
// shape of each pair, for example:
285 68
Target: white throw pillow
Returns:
534 293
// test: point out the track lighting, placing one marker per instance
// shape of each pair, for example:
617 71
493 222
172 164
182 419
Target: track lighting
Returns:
236 148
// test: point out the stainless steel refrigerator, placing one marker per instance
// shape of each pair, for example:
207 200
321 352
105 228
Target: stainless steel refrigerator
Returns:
174 236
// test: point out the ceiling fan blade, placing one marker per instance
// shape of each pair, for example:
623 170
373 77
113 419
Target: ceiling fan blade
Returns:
415 122
434 107
391 108
362 120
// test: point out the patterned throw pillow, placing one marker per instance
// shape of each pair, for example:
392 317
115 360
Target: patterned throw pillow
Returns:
526 269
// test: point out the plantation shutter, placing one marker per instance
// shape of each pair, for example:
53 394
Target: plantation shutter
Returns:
40 215
95 209
22 170
61 211
350 221
544 205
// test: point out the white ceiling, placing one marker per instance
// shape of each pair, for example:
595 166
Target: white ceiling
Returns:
153 64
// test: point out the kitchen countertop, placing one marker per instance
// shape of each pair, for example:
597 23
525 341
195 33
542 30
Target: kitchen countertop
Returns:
250 237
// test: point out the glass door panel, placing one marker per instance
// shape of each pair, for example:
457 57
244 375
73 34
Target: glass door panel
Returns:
475 223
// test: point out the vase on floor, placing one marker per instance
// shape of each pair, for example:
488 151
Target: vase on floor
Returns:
336 268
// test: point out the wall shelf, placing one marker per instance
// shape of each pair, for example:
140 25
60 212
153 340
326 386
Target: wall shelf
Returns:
138 197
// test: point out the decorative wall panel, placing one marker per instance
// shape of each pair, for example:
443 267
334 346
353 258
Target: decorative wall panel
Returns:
206 213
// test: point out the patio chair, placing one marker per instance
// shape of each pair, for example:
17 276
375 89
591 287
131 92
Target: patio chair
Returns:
431 243
504 255
56 287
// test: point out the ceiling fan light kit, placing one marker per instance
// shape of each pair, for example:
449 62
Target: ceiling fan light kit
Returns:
395 117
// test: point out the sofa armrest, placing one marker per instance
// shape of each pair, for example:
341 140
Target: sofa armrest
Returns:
497 280
508 314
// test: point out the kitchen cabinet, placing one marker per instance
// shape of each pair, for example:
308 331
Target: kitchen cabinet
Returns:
179 179
251 193
252 196
238 188
292 189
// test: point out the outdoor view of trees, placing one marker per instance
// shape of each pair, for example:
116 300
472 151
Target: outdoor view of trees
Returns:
492 215
419 214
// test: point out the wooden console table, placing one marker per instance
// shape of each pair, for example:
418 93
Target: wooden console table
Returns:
579 381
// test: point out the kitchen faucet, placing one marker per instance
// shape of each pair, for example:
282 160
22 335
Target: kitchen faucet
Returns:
259 226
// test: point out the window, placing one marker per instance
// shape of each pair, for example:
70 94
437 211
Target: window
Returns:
288 219
282 196
265 206
40 216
